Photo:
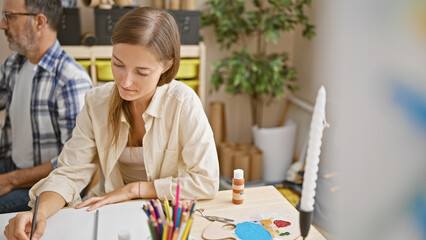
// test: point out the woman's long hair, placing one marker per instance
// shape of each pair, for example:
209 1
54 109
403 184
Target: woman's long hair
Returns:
157 31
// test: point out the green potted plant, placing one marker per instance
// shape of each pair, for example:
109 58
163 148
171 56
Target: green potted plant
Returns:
258 73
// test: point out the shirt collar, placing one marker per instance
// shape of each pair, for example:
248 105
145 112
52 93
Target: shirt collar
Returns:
49 59
156 106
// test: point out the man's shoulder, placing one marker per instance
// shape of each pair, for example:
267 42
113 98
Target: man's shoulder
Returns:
101 93
70 69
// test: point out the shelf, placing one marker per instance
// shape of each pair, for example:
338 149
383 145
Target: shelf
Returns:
105 52
187 51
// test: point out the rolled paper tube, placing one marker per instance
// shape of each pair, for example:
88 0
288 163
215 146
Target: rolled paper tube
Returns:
256 166
189 4
158 3
254 149
221 149
174 4
232 145
123 3
242 161
244 146
227 162
217 121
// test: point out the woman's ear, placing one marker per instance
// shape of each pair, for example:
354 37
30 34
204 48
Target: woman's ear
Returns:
169 65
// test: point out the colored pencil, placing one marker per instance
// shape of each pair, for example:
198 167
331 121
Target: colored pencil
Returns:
157 212
146 210
151 230
192 207
182 226
175 234
151 210
34 216
170 224
160 226
96 224
177 202
184 206
156 228
187 227
167 207
170 233
166 229
160 209
178 215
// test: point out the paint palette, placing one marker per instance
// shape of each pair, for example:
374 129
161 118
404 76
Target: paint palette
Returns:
219 230
270 226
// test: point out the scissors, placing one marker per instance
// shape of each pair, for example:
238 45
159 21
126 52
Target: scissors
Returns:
214 218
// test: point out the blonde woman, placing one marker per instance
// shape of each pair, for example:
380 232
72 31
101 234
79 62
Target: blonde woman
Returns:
144 131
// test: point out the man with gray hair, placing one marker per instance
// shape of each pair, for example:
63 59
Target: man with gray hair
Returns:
41 90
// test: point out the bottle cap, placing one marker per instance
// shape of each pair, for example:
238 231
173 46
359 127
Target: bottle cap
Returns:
238 174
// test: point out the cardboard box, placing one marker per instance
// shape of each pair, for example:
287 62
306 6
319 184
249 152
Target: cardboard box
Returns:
240 156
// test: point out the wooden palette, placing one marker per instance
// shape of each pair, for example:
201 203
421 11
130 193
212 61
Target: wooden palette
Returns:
219 231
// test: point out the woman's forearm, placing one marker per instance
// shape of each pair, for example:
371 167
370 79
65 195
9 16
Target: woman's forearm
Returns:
50 203
144 190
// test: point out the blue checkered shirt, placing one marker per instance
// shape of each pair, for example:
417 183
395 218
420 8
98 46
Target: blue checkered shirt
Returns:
57 96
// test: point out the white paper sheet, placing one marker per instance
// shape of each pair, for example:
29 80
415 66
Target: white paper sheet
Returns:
78 224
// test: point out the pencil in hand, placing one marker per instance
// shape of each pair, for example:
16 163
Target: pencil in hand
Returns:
34 216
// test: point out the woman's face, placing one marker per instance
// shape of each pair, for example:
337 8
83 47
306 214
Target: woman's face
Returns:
136 71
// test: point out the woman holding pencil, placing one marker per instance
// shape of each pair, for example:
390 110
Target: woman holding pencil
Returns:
144 131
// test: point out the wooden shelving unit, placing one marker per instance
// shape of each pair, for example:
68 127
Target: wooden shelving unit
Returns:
104 52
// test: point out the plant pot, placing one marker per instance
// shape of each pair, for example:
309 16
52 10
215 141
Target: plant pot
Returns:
277 145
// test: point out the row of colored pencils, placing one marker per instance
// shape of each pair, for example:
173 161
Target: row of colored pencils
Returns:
173 224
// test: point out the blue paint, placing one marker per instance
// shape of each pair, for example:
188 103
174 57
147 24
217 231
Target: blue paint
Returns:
412 102
419 211
252 231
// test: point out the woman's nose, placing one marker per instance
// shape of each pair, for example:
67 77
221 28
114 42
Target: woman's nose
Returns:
127 79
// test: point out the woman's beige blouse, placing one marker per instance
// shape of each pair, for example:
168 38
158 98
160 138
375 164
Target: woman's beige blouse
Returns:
178 144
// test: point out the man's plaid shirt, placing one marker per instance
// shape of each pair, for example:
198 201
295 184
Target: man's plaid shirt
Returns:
58 90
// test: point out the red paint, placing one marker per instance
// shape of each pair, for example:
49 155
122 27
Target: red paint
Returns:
281 223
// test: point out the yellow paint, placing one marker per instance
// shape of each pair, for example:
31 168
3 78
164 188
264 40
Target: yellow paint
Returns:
270 230
266 222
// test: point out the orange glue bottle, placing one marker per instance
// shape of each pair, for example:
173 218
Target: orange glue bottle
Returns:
238 187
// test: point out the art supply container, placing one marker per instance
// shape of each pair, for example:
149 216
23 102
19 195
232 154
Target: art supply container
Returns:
238 187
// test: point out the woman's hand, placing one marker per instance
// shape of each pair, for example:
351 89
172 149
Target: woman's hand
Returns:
19 227
124 193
